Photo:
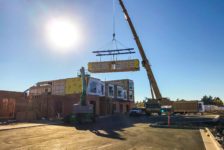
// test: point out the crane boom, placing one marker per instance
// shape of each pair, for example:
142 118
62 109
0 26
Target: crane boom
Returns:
152 81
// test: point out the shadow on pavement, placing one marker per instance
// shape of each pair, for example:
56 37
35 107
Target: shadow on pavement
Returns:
109 127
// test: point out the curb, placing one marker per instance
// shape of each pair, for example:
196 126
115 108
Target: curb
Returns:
174 127
217 145
14 128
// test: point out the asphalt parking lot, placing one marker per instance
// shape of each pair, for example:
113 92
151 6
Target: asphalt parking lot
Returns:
113 133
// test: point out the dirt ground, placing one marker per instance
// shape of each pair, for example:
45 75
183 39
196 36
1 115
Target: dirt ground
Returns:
112 133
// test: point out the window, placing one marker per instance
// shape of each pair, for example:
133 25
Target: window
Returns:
96 87
119 92
131 85
93 87
101 90
131 97
125 94
111 90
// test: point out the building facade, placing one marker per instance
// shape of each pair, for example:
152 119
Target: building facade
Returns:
115 96
54 98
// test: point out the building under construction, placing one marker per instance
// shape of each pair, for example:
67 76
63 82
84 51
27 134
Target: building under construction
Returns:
55 98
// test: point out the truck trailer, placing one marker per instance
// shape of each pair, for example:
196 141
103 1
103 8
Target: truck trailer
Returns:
174 107
188 107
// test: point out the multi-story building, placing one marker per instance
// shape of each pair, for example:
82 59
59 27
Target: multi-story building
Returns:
107 97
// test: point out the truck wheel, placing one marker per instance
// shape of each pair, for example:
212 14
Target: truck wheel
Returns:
149 114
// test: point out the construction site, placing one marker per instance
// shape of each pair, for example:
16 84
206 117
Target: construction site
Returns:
88 112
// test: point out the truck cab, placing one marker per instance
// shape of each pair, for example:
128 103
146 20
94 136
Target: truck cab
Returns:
152 108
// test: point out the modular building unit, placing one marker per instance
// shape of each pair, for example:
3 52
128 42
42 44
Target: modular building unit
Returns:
74 85
58 87
109 90
40 90
126 83
127 87
113 66
96 87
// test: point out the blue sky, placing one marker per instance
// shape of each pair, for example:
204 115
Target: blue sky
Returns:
184 41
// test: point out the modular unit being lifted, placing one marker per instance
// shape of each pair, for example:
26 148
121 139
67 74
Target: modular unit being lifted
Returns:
114 65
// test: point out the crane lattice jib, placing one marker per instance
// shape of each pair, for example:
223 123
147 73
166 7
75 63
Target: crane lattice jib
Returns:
145 61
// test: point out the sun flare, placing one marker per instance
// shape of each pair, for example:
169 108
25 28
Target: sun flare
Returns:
62 34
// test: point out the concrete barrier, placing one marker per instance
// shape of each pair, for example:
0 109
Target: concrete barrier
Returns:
209 140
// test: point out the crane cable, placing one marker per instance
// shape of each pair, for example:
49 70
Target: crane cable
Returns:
114 30
114 25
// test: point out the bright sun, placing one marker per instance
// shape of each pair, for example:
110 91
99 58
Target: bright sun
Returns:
62 34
